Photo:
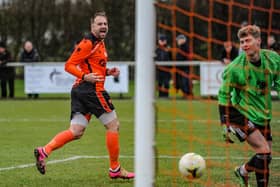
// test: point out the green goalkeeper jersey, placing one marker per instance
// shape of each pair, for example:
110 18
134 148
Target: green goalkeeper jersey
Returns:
247 87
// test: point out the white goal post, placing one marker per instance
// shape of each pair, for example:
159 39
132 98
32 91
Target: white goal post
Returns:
145 88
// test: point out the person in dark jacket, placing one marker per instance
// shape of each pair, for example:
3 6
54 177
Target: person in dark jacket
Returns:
229 53
7 74
28 55
272 44
163 75
183 82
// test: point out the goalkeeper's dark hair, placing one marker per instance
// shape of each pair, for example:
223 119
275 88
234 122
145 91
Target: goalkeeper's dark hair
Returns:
253 30
99 13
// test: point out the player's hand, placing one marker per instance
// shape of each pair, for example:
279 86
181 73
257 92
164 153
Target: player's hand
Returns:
228 133
93 77
113 71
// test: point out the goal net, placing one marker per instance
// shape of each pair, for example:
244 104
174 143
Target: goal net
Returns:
191 124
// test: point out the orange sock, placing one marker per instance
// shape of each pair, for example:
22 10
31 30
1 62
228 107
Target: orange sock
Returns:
112 141
58 141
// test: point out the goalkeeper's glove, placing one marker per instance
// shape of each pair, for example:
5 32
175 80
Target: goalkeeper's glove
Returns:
228 133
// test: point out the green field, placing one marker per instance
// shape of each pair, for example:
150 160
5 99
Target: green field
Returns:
182 126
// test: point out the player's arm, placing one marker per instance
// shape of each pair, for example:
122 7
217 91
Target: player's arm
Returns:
274 57
78 56
224 97
277 77
277 83
224 94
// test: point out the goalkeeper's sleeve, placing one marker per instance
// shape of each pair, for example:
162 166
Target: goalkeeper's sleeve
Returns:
227 132
224 114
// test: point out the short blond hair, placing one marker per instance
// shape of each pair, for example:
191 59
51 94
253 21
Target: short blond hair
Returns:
100 13
253 30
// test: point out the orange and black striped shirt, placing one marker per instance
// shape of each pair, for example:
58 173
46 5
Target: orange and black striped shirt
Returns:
89 56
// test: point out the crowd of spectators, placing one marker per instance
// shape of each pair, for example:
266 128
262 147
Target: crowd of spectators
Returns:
181 80
28 54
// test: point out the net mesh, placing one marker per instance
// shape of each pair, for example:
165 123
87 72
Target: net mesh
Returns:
192 125
208 23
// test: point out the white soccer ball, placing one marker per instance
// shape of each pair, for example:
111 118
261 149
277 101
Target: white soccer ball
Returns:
192 165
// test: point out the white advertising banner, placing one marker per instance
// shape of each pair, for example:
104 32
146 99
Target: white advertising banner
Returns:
120 84
51 78
210 78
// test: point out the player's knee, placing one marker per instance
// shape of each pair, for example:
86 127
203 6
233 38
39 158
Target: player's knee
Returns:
110 121
262 147
113 125
77 131
78 135
265 148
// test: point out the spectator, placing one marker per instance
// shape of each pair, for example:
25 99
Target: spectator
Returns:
272 44
229 53
163 74
7 74
183 82
28 55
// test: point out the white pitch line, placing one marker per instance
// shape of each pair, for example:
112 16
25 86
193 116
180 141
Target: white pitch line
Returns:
121 156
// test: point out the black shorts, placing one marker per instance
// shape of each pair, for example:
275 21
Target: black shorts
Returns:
85 100
244 127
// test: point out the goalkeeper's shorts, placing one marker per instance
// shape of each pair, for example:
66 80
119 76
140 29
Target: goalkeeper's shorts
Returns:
244 127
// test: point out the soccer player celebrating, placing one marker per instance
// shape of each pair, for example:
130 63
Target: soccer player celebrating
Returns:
88 96
245 102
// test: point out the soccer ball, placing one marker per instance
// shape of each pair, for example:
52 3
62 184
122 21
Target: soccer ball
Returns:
192 165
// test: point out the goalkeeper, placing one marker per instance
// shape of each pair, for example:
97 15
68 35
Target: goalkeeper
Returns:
245 102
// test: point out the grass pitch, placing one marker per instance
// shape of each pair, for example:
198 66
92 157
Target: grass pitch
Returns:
182 126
